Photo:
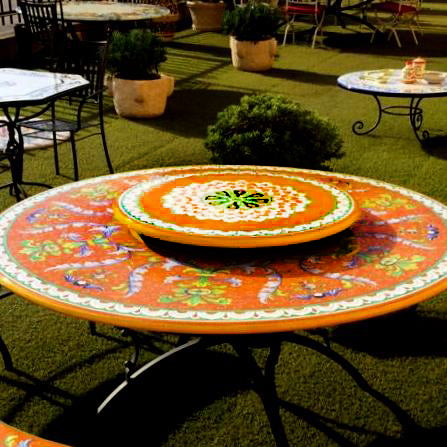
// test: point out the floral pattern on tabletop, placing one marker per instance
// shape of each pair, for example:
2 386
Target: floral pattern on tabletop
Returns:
389 81
64 246
12 437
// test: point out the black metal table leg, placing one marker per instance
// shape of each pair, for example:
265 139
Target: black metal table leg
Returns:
358 125
14 151
265 386
416 118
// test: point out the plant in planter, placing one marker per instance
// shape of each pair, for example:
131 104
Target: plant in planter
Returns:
206 15
270 130
133 59
252 29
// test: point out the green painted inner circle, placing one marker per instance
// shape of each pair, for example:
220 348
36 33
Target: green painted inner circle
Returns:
238 199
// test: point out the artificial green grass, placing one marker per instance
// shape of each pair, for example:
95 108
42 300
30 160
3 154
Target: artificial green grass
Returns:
63 372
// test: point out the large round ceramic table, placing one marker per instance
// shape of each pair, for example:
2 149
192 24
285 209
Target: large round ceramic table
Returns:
389 83
65 250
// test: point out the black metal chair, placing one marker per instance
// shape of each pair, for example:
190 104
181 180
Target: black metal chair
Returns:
88 60
43 33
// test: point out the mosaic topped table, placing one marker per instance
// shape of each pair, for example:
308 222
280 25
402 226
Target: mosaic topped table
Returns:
21 88
97 19
65 250
389 83
106 11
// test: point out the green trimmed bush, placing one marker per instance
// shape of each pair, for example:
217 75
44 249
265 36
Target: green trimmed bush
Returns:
270 130
253 22
135 55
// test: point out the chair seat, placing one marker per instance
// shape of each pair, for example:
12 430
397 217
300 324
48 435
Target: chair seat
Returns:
393 8
47 125
305 9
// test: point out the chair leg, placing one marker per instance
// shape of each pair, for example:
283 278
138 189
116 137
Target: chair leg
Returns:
314 38
55 148
75 156
56 155
285 33
104 143
414 35
317 29
394 32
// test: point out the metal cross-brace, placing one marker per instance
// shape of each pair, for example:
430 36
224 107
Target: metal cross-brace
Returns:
413 111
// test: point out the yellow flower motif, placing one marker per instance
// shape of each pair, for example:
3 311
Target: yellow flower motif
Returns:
387 201
396 265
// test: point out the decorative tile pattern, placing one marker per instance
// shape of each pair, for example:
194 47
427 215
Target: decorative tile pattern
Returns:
111 11
63 249
29 85
252 203
389 81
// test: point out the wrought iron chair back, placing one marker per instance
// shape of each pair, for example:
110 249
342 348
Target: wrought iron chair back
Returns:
44 25
304 8
87 59
391 15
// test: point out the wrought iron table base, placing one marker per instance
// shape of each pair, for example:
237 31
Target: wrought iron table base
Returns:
263 382
15 149
413 111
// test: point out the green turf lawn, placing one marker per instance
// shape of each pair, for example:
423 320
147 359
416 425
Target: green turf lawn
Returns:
206 399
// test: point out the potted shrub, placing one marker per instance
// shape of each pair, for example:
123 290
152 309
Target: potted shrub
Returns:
206 15
252 29
270 130
133 59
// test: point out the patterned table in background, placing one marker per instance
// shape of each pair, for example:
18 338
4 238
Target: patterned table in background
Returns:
389 83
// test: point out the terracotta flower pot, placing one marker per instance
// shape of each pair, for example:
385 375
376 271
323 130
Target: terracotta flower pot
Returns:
253 56
141 99
206 16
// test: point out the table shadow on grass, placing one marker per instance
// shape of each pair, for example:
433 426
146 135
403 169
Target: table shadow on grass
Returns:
159 402
212 50
190 111
430 44
153 406
436 146
44 388
307 77
421 437
405 333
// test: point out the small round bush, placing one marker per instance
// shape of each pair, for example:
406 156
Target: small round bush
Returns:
270 130
253 22
135 54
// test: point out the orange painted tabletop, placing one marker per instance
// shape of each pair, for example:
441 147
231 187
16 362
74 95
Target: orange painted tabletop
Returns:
65 250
